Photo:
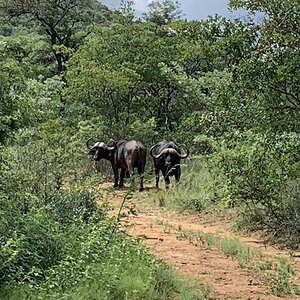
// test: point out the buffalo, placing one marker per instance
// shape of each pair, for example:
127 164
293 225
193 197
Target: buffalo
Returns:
123 154
166 158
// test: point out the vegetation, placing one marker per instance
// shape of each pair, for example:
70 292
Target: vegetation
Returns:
277 274
228 89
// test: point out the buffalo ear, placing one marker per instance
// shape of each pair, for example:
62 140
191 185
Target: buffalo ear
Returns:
92 150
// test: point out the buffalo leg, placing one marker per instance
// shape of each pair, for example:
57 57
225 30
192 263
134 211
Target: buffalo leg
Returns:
122 175
141 173
177 174
116 175
167 179
156 176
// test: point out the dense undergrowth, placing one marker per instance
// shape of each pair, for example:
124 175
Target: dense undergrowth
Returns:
250 183
57 242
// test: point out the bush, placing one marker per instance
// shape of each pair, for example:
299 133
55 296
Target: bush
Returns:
97 265
71 206
262 174
33 247
32 241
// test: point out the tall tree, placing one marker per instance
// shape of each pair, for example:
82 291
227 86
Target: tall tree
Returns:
162 13
274 67
122 73
60 19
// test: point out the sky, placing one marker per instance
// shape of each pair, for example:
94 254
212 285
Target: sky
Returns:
191 9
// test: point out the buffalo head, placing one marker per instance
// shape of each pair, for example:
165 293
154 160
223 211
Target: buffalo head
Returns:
100 150
166 158
167 152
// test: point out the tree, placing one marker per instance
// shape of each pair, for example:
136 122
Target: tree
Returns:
214 44
60 20
163 13
11 86
274 66
125 72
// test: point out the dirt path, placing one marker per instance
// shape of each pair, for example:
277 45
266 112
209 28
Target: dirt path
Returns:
167 236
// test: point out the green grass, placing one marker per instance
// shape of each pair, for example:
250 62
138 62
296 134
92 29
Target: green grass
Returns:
231 246
137 281
280 281
200 187
209 240
89 258
235 248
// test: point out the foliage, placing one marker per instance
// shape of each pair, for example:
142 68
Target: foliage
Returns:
235 248
12 82
281 283
33 246
75 205
199 189
119 86
262 172
60 21
227 89
31 51
162 13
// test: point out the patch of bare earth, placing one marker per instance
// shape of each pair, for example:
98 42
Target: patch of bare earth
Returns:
160 229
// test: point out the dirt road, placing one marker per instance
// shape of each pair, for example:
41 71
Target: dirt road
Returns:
171 236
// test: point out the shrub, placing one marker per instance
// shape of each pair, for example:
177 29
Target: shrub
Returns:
66 207
262 175
33 247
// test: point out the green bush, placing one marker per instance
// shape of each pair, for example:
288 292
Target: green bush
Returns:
99 265
263 178
281 283
66 207
33 246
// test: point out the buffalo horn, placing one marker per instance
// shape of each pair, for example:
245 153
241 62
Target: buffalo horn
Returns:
171 150
153 155
187 152
159 154
175 152
88 143
151 150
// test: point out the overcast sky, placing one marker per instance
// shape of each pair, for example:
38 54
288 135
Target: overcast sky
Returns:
191 9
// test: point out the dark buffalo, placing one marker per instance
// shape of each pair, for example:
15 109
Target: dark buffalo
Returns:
123 154
166 158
